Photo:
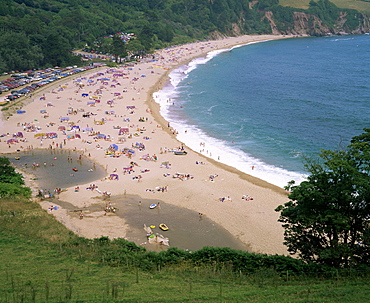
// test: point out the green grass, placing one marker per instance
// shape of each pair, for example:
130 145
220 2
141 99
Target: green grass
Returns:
362 6
38 266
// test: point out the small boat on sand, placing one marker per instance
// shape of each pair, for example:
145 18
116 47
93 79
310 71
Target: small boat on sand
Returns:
180 152
151 206
163 226
17 158
74 169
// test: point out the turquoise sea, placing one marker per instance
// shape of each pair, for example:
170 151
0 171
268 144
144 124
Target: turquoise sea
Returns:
266 104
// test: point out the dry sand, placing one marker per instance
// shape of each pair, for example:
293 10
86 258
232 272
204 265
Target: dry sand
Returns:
254 222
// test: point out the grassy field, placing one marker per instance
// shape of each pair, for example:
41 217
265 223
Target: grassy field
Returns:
362 6
37 266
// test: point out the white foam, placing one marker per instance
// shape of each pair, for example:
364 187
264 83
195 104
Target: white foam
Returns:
214 148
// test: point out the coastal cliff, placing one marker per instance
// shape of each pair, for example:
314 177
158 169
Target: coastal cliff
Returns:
292 21
307 24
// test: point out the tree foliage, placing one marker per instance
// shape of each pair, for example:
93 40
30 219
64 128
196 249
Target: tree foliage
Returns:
327 219
10 181
39 33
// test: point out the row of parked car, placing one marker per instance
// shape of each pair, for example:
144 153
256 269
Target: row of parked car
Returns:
20 84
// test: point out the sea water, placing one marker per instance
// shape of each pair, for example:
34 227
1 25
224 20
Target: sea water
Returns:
263 107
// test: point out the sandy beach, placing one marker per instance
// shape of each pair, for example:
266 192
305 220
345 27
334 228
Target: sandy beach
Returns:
109 116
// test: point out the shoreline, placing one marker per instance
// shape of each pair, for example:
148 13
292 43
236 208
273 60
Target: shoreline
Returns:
253 222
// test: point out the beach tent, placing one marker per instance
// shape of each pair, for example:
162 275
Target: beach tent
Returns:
12 141
18 135
123 131
113 146
87 129
43 111
21 111
101 136
71 137
84 95
113 177
64 119
51 135
40 135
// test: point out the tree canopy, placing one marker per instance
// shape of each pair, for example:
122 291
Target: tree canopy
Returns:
11 182
39 33
327 219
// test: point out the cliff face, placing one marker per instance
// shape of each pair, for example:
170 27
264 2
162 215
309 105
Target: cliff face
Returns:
306 24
